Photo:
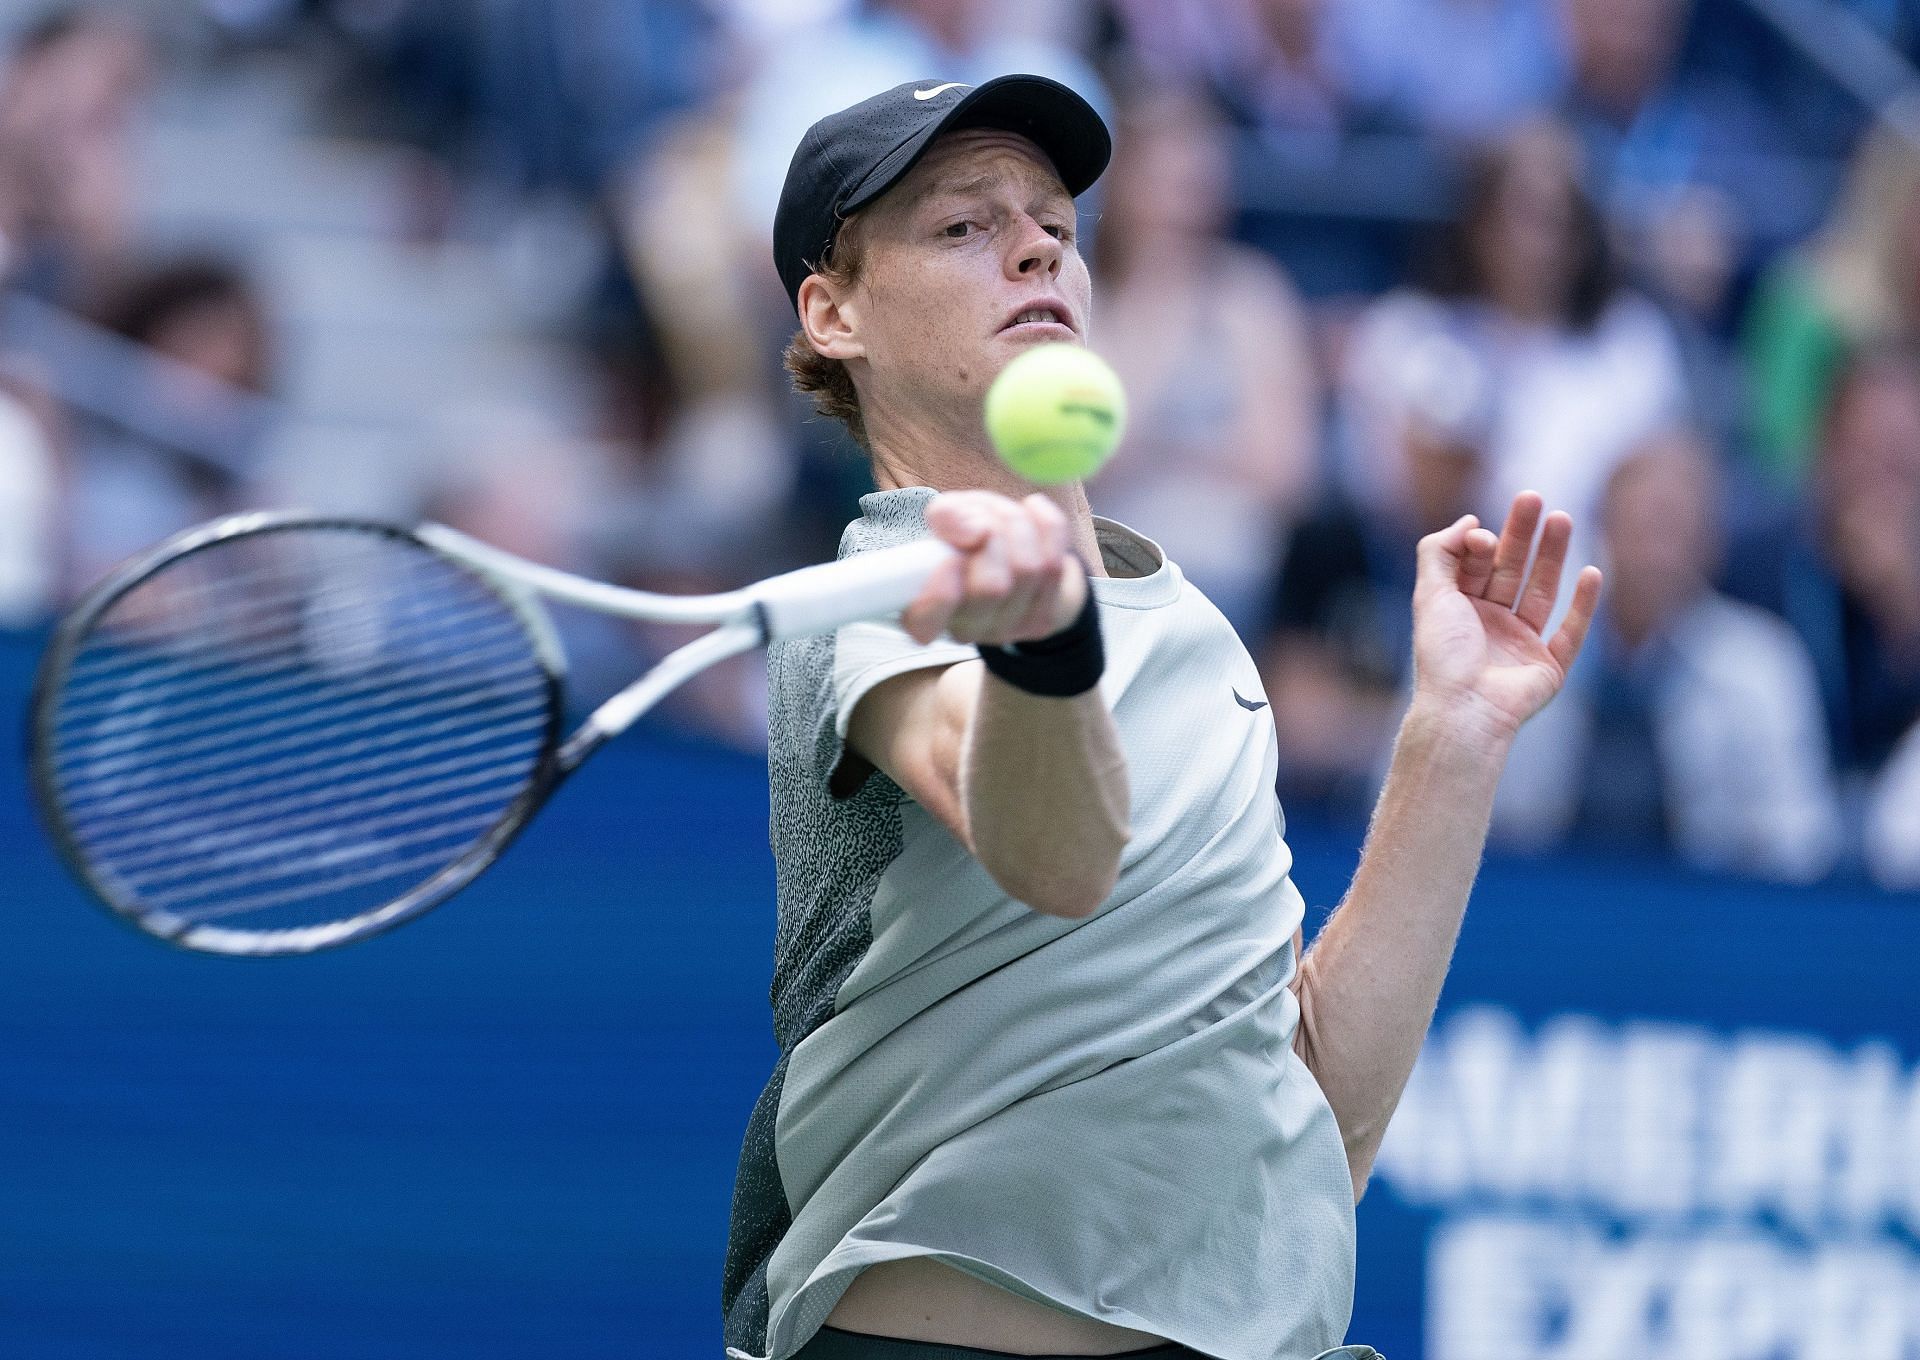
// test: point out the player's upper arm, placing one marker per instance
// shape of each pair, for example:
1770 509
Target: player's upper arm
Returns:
912 728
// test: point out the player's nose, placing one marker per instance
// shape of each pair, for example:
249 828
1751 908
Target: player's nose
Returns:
1037 252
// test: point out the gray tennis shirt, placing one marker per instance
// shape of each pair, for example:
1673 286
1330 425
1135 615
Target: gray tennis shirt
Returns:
1105 1115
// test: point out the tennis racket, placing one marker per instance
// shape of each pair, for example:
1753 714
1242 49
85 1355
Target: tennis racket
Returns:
278 733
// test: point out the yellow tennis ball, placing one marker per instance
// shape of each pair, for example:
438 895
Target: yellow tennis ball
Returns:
1055 413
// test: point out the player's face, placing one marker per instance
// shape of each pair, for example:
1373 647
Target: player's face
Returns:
959 258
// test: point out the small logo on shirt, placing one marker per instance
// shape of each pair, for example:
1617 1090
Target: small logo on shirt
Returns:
1251 705
940 89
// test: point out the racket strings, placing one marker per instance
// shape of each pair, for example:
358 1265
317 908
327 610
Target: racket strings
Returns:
255 836
107 689
160 707
299 860
242 809
156 696
295 727
304 776
243 606
409 870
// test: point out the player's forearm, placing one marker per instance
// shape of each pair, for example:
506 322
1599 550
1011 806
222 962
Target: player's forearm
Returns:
1044 785
1372 978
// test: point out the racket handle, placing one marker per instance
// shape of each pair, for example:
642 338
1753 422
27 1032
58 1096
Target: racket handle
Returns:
870 586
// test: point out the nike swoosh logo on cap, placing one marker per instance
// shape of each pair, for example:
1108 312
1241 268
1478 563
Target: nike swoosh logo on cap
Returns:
940 89
1249 704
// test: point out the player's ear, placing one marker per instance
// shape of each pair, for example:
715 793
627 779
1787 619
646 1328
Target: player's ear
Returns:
831 319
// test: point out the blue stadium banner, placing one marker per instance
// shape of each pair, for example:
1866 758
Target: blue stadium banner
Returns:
1658 1116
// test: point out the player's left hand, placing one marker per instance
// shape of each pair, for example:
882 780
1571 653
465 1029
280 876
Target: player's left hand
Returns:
1480 650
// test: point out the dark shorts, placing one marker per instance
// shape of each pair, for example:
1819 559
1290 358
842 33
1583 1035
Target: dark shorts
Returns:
830 1343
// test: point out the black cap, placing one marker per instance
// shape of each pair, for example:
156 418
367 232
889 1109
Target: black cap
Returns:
850 158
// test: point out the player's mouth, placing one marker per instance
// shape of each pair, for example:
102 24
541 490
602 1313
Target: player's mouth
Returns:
1045 316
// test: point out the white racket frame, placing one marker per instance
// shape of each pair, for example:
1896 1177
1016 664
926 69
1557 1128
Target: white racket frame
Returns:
815 599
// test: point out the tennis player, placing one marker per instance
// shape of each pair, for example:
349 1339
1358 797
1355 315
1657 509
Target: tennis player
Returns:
1054 1076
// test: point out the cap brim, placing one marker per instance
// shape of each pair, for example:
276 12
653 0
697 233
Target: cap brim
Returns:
1061 123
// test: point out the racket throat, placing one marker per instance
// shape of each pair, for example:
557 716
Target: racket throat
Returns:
575 749
624 709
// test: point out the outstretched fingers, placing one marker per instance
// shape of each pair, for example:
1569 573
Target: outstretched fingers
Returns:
1535 605
1566 641
1516 543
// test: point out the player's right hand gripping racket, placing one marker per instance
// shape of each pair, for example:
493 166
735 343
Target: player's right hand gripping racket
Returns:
277 733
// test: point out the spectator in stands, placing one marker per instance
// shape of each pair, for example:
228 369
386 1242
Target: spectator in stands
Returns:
1303 71
1583 370
1413 414
1187 43
1650 125
1695 720
1623 55
1282 75
1275 68
1855 284
1845 571
1688 254
1220 454
204 357
68 92
539 97
203 314
1463 69
566 91
703 494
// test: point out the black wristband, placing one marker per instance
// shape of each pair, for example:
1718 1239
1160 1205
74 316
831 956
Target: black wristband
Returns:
1068 663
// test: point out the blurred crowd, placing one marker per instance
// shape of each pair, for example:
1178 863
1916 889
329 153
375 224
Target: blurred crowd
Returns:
1364 266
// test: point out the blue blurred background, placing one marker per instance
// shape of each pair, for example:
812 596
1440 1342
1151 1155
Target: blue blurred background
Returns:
1363 264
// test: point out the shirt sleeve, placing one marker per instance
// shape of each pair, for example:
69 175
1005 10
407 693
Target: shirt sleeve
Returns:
864 655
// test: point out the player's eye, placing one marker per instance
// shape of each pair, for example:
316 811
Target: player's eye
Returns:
1058 231
956 230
